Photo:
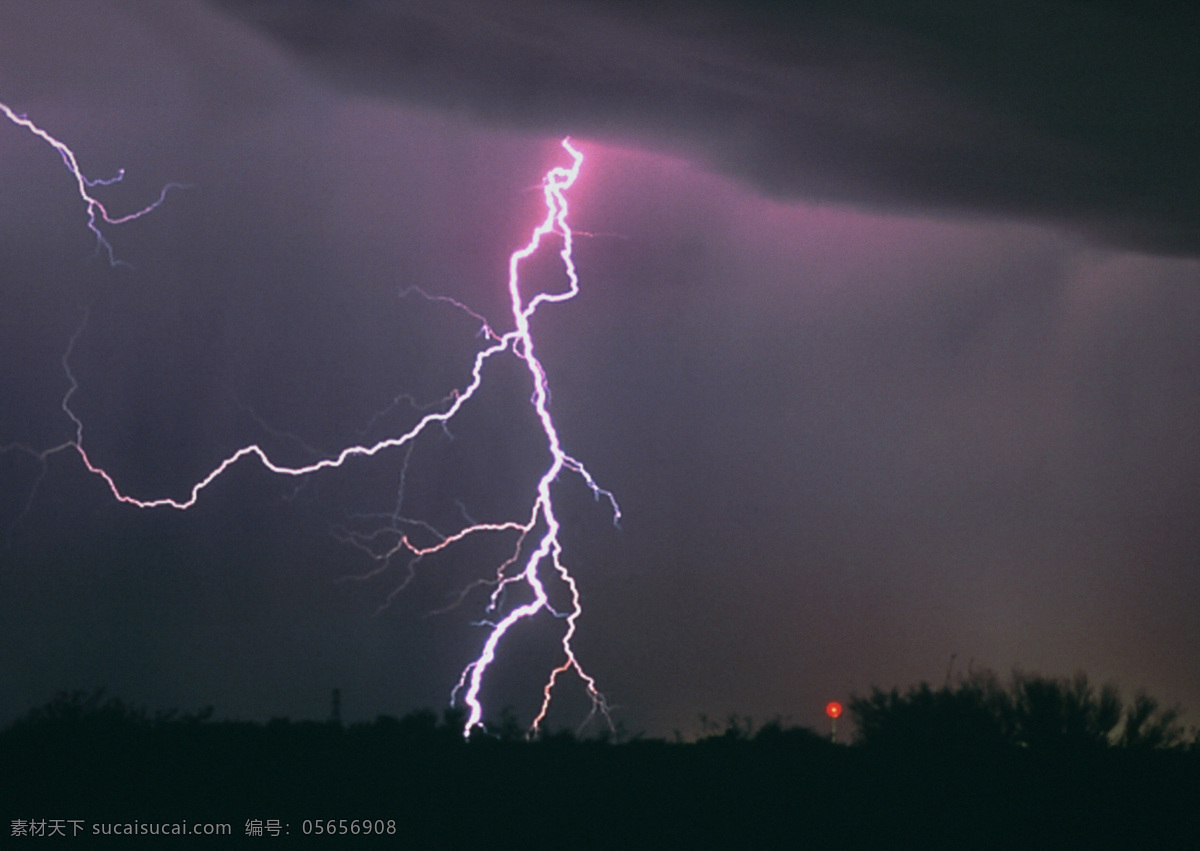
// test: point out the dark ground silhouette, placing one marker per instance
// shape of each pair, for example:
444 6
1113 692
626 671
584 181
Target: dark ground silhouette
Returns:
973 764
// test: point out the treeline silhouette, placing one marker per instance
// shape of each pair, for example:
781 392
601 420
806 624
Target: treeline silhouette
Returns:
976 763
978 712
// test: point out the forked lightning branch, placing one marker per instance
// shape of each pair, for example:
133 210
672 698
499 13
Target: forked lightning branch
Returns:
536 562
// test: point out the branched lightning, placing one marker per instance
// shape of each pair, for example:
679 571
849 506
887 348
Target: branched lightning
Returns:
96 211
537 550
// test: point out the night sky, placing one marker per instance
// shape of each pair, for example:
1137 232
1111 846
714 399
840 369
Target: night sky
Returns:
886 344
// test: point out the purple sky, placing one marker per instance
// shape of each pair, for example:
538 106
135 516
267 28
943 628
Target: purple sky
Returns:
888 358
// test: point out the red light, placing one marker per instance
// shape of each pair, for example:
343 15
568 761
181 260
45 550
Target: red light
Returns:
833 709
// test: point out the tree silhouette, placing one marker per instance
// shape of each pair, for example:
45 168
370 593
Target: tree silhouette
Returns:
1063 714
1148 726
976 712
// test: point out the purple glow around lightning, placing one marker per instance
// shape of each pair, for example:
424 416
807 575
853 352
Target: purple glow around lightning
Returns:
544 557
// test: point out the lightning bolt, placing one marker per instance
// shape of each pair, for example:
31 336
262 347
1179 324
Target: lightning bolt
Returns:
96 211
549 548
538 549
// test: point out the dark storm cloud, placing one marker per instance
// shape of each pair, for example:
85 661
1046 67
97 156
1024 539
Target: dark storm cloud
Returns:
1082 113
